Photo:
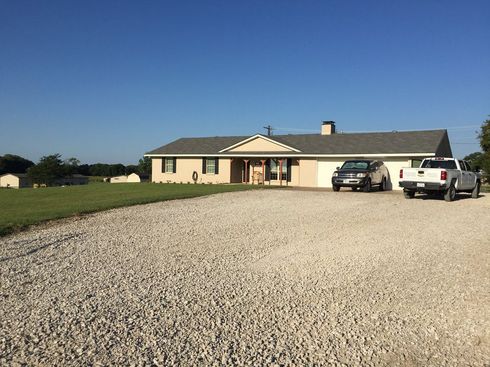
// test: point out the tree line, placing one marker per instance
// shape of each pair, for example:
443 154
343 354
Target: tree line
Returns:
52 167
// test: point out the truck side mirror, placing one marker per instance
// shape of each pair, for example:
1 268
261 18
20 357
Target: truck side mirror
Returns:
337 168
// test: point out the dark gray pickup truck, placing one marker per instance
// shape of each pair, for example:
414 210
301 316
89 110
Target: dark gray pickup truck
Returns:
360 174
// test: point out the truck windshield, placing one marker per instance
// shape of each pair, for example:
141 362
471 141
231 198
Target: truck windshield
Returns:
355 165
439 164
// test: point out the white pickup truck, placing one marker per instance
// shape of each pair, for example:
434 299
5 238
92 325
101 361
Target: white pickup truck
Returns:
446 176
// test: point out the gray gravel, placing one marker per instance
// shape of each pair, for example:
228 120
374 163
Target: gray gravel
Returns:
253 278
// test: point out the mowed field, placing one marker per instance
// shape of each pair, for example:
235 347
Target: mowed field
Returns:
20 208
265 277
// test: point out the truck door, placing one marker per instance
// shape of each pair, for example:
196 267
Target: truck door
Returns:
471 176
465 177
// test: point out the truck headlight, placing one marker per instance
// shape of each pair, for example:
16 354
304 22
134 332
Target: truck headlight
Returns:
360 175
335 174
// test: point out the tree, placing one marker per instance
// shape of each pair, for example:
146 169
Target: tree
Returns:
49 169
144 166
71 166
131 168
485 146
475 159
84 169
11 163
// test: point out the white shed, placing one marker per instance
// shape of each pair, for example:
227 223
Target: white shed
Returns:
133 177
119 179
14 180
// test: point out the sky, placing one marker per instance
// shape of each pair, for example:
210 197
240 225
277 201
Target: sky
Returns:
107 81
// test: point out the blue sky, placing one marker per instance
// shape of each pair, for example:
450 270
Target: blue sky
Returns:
105 81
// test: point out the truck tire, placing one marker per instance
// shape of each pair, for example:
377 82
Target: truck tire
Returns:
367 186
336 188
382 185
409 194
476 190
450 193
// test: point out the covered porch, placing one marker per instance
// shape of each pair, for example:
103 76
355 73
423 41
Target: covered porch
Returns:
264 170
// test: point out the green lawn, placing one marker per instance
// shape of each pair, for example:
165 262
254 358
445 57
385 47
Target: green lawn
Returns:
23 207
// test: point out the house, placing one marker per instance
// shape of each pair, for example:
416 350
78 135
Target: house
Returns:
306 160
15 180
132 178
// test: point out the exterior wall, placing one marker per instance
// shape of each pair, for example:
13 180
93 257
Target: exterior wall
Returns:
307 173
133 177
185 168
394 166
10 181
259 145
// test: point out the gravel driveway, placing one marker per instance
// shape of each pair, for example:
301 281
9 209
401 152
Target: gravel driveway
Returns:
253 278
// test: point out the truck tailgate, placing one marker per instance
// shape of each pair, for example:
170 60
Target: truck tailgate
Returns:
421 174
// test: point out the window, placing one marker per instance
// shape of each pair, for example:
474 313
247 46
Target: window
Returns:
275 170
433 163
169 165
210 166
355 165
462 164
416 163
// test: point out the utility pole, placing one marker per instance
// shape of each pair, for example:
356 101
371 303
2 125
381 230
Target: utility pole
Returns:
269 129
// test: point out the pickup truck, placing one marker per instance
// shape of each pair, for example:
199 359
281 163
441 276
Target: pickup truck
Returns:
445 176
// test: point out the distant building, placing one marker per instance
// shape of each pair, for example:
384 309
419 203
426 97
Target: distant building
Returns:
21 180
132 178
15 180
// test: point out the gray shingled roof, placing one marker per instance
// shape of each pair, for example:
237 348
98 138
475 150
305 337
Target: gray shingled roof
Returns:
428 141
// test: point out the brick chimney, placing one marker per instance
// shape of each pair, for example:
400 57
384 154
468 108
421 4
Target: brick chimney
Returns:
328 128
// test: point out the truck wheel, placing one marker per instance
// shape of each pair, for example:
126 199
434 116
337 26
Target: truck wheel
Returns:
367 186
450 193
336 188
476 190
409 194
382 185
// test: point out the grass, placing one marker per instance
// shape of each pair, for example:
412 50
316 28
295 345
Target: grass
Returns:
24 207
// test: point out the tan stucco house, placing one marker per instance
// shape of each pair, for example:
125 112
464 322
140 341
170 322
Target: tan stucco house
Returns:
306 160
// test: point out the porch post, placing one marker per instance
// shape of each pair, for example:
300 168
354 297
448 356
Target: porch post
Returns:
263 171
280 172
246 170
231 169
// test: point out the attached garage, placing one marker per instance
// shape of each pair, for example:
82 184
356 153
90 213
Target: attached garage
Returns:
326 168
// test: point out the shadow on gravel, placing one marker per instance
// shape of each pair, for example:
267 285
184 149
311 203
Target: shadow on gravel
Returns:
31 251
441 198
